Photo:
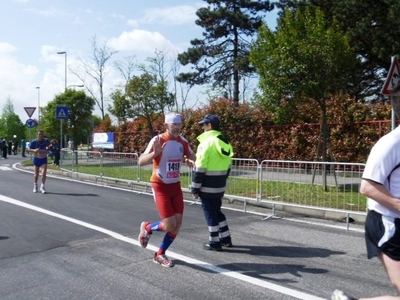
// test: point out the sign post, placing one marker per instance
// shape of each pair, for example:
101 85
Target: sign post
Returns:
62 113
391 81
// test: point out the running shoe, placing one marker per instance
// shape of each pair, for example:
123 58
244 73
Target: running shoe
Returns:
35 189
227 245
340 295
42 189
163 260
144 236
227 242
215 247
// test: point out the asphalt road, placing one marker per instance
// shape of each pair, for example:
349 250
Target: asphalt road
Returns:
79 241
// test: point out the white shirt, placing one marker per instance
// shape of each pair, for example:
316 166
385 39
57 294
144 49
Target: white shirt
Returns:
384 157
166 166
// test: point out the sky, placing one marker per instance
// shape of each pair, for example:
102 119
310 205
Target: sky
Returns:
33 31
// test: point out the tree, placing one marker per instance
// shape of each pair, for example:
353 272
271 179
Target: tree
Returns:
10 123
181 89
120 106
126 67
303 60
156 67
373 29
161 68
80 108
222 56
145 97
106 125
100 55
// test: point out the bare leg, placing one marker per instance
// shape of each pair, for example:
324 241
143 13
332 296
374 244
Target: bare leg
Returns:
36 174
172 224
392 268
44 173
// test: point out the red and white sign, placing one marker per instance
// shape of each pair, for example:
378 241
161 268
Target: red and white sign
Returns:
30 111
393 77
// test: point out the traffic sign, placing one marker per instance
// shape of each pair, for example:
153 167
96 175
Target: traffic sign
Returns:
30 111
30 123
393 77
62 112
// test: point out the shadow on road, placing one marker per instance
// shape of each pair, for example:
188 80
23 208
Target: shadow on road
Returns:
283 251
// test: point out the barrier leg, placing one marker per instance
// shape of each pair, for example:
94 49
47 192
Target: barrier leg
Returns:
273 215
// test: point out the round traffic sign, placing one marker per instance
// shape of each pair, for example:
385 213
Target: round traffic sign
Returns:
30 123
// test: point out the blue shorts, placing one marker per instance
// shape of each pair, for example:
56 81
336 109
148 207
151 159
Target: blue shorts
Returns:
38 162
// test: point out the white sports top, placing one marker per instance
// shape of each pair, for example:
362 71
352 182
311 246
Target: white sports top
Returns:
167 165
384 157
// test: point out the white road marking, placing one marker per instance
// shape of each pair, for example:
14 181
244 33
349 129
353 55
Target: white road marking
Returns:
5 168
201 264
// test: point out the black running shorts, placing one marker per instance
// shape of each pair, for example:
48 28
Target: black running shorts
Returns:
380 238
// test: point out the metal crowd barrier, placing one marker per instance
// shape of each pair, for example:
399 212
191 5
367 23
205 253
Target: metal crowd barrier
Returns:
102 164
317 185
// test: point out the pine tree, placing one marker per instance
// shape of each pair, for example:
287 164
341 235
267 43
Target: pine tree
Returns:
222 56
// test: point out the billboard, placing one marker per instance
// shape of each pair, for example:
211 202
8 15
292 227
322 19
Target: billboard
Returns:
103 140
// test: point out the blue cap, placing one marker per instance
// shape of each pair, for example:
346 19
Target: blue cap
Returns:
213 119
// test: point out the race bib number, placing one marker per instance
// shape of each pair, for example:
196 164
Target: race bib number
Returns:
42 153
173 167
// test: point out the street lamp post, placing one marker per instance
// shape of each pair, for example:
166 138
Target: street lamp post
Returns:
38 90
65 54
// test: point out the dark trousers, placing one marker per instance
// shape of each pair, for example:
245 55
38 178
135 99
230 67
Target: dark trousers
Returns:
216 221
5 152
56 157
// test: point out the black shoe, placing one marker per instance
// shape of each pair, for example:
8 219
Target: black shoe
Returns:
227 245
208 246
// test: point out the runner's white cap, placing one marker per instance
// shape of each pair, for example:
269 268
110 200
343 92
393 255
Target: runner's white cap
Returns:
173 118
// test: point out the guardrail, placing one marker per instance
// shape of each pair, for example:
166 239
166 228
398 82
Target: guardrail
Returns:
281 185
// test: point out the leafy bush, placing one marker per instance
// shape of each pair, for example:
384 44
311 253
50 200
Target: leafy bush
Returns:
353 129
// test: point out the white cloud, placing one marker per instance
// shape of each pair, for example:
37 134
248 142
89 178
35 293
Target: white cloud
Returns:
17 83
47 51
6 48
118 16
133 23
141 40
19 72
16 69
50 12
177 15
